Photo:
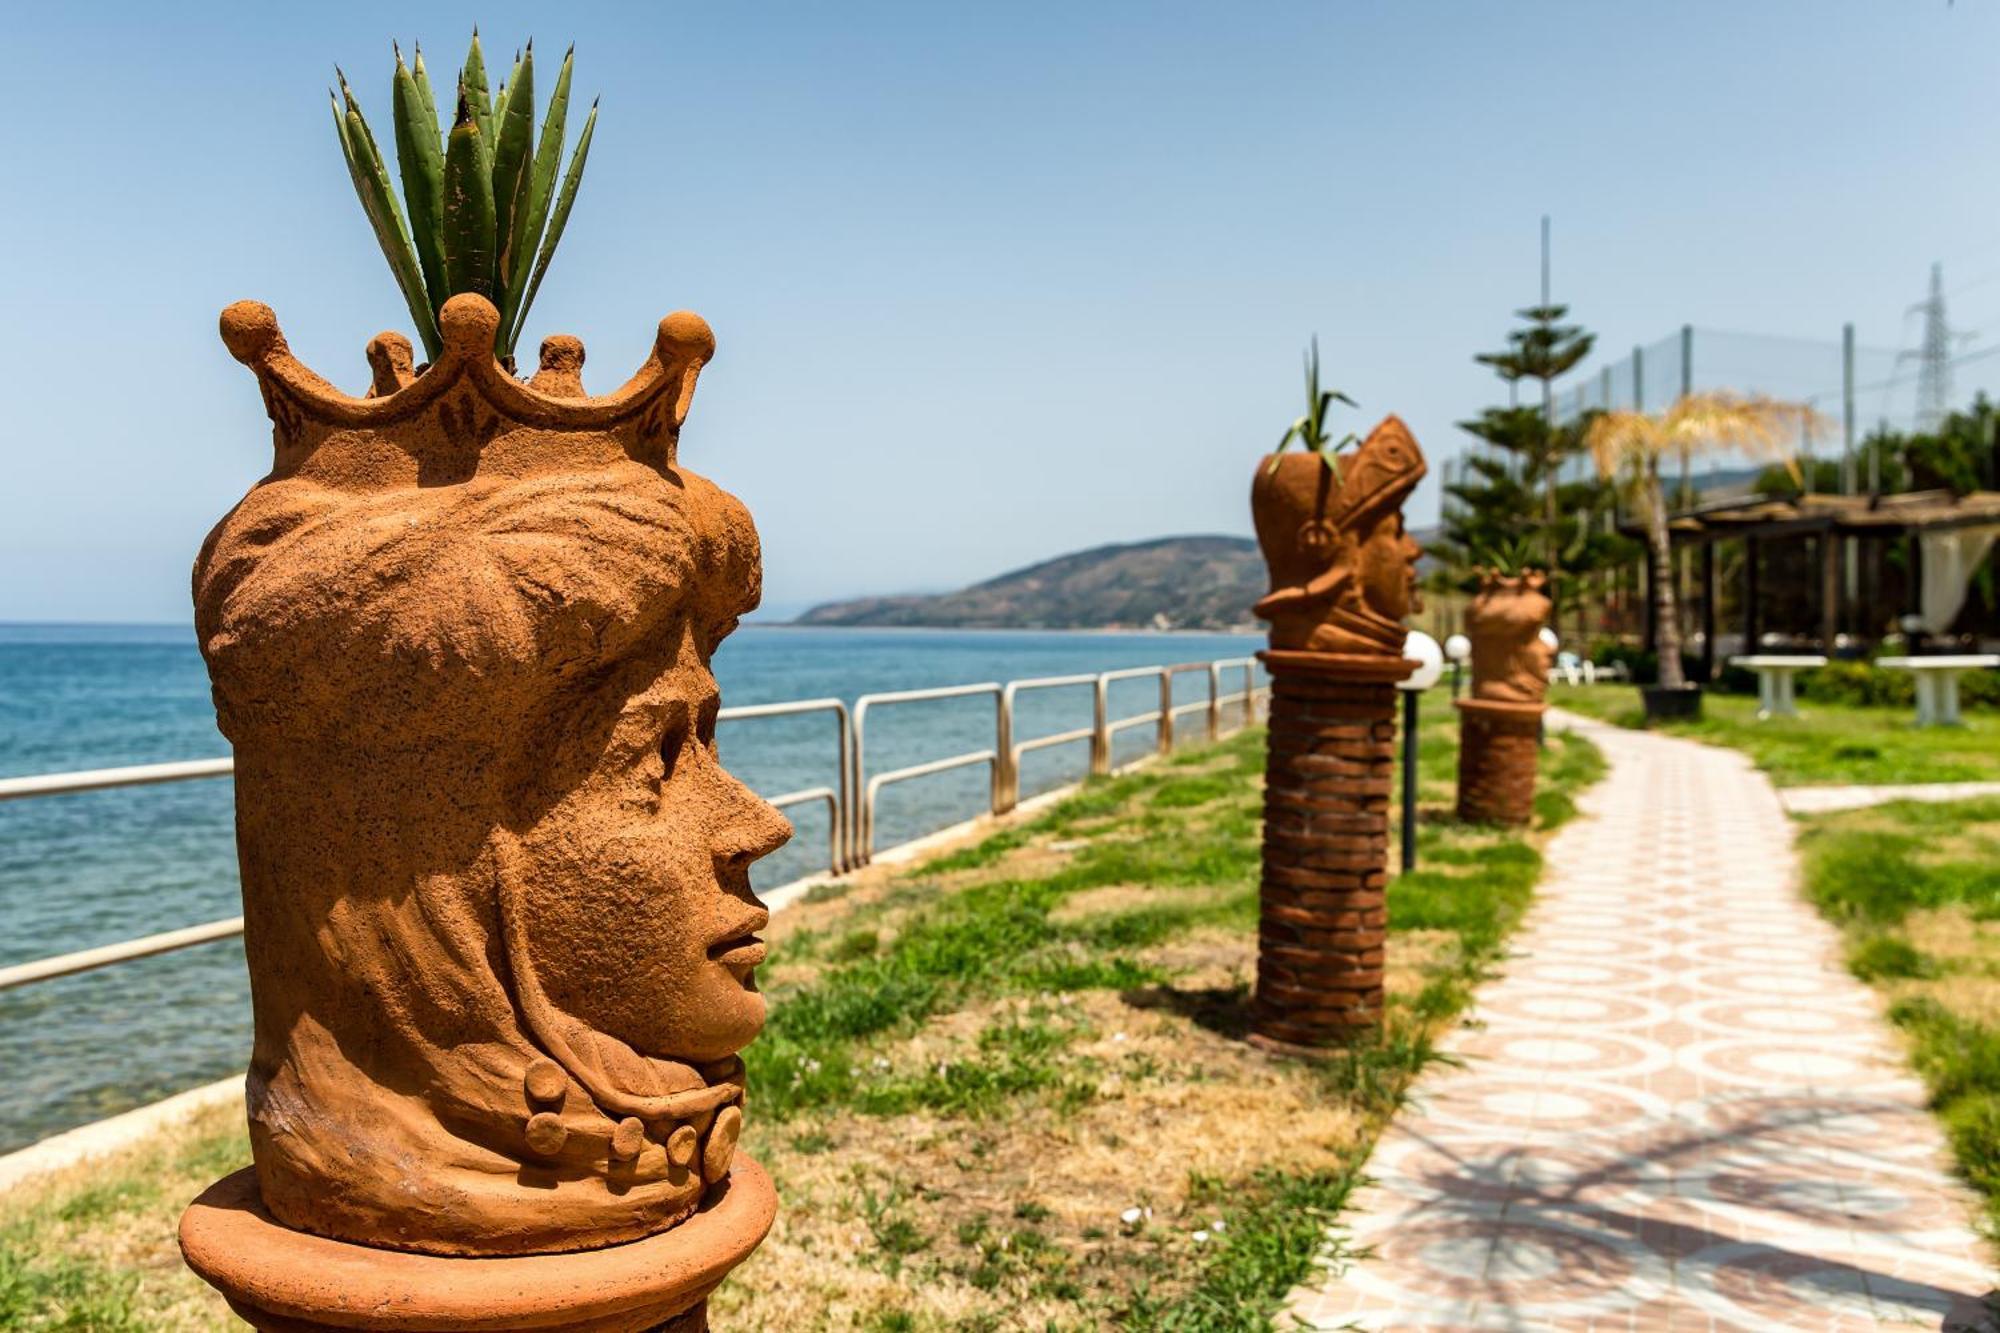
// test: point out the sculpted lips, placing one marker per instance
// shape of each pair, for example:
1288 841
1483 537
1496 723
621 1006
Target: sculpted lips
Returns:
740 949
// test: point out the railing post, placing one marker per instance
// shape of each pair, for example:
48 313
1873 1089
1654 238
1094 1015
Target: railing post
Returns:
1166 743
1100 736
858 839
1006 777
1214 703
843 818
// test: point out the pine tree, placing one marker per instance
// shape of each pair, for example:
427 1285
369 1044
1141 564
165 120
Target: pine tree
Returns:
1514 509
1544 350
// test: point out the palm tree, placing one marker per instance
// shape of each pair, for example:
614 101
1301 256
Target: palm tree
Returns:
1628 447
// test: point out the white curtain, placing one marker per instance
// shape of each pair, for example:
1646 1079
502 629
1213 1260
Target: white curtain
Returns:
1949 561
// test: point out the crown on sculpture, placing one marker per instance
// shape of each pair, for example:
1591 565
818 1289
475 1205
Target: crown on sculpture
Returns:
446 414
1342 568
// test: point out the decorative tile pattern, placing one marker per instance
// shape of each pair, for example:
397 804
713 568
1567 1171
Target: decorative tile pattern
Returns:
1676 1110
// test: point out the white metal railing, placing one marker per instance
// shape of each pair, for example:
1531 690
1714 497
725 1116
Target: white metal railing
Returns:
1100 754
837 802
850 821
97 779
862 849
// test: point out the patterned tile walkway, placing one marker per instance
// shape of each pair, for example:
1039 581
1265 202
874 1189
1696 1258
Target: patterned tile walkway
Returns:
1677 1111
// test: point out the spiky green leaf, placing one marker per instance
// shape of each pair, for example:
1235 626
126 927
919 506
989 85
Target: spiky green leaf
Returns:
468 206
423 77
370 175
541 181
558 219
472 90
511 186
420 160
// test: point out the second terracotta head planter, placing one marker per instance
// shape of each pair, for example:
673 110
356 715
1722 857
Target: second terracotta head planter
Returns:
1510 658
1343 577
1343 569
498 914
1500 723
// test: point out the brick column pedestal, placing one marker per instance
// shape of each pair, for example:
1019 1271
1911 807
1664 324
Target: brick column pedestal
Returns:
1499 746
1327 785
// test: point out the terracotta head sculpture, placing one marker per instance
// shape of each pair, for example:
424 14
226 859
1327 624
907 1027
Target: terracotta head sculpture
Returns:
1343 570
1510 659
496 887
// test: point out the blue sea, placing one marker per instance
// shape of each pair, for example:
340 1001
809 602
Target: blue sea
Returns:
98 867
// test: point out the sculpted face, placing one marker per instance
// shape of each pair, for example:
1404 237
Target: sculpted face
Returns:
1343 571
1388 565
648 929
1510 660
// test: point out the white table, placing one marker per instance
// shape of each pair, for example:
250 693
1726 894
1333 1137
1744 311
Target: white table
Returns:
1774 680
1937 683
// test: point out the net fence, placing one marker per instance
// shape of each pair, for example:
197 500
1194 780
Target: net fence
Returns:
1854 388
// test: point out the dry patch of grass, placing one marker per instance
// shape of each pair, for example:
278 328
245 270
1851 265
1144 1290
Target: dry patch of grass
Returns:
93 1248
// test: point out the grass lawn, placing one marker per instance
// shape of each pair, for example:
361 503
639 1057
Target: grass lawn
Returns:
1005 1090
1826 744
1916 888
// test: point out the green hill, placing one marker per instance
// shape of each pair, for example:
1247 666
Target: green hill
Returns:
1169 583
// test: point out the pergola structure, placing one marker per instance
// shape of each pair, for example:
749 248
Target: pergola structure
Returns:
1847 535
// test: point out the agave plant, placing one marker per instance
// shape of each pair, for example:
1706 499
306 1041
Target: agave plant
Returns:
1507 556
1310 430
480 210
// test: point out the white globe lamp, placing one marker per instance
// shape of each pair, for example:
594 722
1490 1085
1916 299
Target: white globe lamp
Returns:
1422 649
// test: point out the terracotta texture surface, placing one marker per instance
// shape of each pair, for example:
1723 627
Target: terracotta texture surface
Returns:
1322 918
1675 1108
1343 570
1500 724
283 1280
1505 620
498 915
1499 746
1343 578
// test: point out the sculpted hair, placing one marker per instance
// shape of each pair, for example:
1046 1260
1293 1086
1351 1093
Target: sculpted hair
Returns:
456 589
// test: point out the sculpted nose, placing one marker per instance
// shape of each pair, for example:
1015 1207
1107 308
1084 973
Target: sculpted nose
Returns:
751 827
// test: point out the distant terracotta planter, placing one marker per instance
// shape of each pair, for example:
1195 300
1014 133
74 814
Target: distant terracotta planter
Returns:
496 892
1500 725
1343 577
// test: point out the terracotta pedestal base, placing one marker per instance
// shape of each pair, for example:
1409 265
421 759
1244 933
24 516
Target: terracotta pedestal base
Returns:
1498 747
284 1281
1326 846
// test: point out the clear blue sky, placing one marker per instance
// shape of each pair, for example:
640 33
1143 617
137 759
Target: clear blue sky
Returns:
991 282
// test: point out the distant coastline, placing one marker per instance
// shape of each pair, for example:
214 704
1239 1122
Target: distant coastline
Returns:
1201 584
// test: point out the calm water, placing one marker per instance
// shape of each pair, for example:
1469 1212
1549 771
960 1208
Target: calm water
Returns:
98 867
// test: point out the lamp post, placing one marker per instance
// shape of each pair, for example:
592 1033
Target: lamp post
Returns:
1422 649
1549 637
1458 650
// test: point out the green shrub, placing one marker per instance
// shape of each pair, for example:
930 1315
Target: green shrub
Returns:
1866 685
1882 956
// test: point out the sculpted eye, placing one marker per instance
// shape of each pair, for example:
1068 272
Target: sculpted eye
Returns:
671 746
